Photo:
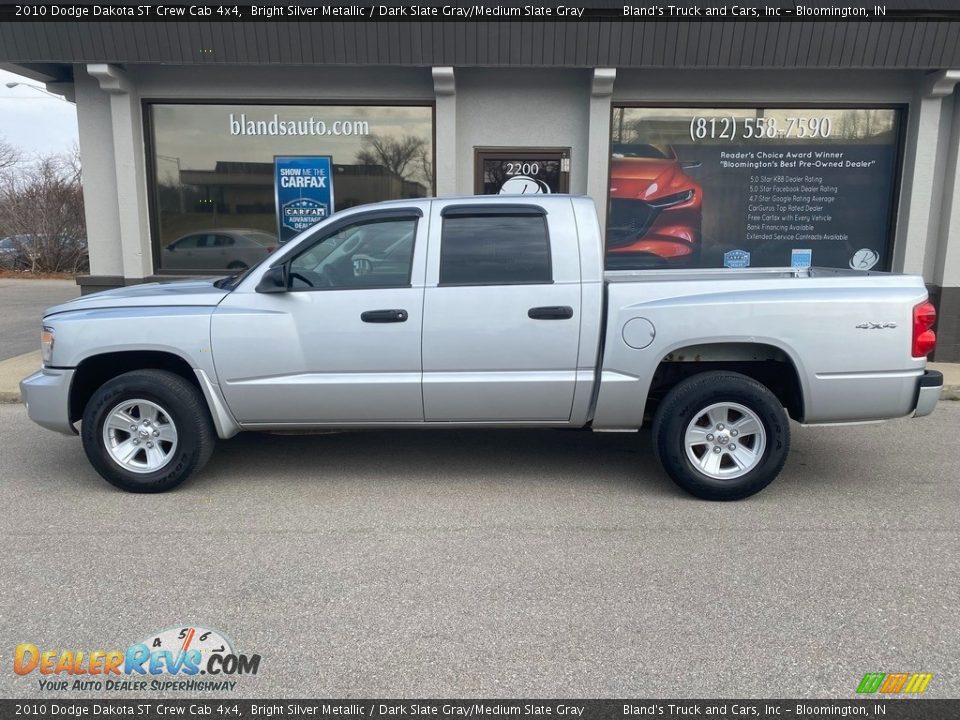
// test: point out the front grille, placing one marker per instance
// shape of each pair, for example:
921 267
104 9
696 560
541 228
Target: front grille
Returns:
628 221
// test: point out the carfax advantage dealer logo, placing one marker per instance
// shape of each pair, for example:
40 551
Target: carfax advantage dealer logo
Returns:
168 660
892 683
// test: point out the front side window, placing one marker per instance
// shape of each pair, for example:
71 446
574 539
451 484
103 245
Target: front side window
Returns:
491 249
366 254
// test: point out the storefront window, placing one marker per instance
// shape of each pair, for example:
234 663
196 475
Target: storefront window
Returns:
216 173
752 187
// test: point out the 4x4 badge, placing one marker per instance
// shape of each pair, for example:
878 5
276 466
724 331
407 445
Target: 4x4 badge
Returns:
870 325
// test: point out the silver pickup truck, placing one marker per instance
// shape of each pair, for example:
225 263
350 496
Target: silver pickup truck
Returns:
482 312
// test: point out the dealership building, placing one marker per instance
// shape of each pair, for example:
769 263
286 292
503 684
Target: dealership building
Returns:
705 144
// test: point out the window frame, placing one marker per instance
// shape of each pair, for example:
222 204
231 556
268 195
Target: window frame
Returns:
149 143
902 109
378 216
495 210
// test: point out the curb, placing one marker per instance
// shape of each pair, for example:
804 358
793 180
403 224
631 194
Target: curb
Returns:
12 370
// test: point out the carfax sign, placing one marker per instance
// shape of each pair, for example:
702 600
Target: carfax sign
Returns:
303 185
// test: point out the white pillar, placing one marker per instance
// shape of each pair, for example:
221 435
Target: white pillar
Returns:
598 147
947 261
95 130
445 170
928 136
131 182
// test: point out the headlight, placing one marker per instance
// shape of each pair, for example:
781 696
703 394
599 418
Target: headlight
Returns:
671 200
46 344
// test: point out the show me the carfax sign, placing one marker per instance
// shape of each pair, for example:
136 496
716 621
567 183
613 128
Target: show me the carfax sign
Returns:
303 185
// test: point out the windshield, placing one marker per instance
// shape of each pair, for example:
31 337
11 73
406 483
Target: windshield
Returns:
641 150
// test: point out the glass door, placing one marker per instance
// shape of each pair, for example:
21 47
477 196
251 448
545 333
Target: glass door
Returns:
522 171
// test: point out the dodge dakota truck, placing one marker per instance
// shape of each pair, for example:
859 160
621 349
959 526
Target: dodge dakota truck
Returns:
482 312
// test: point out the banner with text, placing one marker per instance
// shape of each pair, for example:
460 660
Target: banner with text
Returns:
304 192
752 187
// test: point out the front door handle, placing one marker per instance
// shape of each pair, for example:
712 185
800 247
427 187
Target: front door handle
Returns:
550 312
384 316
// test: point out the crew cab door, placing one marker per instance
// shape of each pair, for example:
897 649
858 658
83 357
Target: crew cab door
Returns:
342 343
501 317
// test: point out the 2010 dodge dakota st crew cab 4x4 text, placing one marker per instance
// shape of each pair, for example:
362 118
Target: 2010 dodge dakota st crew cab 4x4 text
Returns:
482 312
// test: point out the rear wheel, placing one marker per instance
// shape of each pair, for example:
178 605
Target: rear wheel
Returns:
721 435
147 431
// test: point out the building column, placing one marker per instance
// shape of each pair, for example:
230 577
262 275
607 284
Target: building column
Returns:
445 131
129 167
928 136
99 184
598 147
946 259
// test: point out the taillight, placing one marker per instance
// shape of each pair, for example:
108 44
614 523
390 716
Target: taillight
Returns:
924 339
271 249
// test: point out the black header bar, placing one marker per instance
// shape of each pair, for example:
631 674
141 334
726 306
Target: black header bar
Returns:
465 11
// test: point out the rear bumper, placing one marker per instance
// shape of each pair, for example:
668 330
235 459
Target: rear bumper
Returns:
929 387
46 394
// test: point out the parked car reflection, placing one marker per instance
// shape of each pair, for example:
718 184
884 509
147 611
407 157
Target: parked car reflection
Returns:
218 249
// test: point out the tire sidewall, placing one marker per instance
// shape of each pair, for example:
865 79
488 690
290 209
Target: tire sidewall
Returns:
727 389
95 415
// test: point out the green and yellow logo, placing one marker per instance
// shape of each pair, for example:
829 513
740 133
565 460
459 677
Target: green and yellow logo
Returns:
891 683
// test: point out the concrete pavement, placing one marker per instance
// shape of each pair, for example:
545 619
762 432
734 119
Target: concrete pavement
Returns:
488 563
951 379
22 303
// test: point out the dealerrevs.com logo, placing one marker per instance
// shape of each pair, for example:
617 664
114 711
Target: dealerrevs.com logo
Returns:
894 683
172 659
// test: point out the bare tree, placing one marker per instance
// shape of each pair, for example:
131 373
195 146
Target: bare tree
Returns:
426 167
41 210
395 154
9 155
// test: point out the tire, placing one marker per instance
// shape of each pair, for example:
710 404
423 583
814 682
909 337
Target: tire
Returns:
166 411
686 434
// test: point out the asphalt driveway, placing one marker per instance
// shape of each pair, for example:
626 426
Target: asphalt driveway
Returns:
22 303
529 563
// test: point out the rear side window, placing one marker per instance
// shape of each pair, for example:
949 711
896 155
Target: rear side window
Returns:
492 249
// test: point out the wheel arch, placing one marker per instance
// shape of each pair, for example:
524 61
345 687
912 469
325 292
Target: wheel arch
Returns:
95 370
772 365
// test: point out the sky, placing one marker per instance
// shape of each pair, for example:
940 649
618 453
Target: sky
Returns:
34 122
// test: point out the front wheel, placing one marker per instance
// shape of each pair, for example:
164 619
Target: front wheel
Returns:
721 435
147 431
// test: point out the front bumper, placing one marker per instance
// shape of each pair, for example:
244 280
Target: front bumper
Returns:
46 394
929 387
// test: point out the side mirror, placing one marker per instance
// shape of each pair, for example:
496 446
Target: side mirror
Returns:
274 280
690 164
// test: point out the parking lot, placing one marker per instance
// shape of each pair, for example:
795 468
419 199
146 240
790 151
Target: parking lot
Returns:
530 563
23 302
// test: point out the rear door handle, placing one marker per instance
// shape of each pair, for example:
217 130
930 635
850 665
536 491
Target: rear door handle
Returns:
550 312
384 316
